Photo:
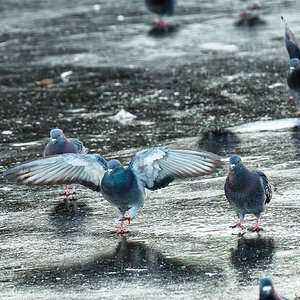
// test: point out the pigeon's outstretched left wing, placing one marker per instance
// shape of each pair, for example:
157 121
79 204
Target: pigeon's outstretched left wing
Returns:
157 167
291 42
67 168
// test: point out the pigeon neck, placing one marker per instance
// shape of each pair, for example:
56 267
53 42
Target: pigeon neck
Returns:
117 182
238 175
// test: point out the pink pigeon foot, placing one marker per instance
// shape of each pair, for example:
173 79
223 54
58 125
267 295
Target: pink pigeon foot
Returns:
298 114
67 192
239 224
256 6
163 24
121 229
256 228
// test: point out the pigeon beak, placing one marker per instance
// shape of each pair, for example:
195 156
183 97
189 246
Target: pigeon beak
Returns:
232 166
53 140
292 69
109 170
267 289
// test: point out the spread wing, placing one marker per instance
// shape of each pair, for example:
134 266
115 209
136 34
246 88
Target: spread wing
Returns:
291 42
157 167
67 168
79 146
268 187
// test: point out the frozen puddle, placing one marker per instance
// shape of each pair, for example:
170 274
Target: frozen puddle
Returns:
266 125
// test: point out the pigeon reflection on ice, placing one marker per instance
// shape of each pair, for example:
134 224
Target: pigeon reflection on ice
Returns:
59 144
293 78
252 254
247 191
128 259
123 187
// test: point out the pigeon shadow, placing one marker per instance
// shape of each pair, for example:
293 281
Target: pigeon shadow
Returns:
157 31
219 142
68 217
296 138
252 254
128 260
250 21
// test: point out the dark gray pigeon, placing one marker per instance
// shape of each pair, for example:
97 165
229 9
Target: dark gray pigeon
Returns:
293 78
267 291
123 187
247 191
59 144
163 8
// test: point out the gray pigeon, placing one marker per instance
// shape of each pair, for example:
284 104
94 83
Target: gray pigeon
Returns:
267 291
247 191
123 187
293 78
59 144
164 8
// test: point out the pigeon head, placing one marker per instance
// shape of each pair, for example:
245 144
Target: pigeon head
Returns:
114 166
294 64
266 289
56 135
235 163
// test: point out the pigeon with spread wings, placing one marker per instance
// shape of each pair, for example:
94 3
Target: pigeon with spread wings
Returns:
123 187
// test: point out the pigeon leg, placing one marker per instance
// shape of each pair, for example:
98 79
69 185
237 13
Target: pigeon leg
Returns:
298 114
121 229
239 224
73 192
256 227
127 218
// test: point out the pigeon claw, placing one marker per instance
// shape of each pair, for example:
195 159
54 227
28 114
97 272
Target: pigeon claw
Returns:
120 231
239 224
160 23
256 228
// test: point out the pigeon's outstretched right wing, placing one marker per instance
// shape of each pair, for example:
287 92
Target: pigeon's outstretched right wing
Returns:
291 42
67 168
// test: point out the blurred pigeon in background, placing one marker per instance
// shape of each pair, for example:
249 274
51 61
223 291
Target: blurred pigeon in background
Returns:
59 144
123 187
293 78
247 191
164 8
267 292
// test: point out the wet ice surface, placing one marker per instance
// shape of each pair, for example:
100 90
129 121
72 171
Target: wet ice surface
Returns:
202 87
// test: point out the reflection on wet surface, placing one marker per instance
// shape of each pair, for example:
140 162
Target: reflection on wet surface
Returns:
204 85
128 259
252 254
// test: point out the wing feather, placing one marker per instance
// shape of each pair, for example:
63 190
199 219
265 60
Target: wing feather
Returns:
67 168
291 42
157 167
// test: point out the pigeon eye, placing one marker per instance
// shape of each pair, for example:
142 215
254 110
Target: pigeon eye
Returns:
116 165
238 161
